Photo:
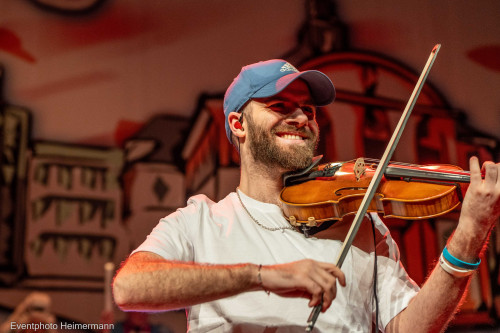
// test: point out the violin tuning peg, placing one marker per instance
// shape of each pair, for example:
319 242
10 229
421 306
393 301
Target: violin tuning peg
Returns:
311 222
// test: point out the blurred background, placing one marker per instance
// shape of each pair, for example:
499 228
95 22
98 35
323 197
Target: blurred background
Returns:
111 117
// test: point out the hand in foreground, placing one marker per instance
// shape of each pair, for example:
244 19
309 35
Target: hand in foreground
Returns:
35 308
305 278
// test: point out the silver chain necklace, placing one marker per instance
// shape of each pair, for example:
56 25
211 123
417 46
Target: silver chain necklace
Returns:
260 224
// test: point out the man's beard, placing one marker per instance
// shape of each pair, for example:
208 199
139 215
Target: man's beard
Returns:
264 148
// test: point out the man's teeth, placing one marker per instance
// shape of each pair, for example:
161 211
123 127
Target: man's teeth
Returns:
291 137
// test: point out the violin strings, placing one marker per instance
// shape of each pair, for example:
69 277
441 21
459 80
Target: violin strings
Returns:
376 161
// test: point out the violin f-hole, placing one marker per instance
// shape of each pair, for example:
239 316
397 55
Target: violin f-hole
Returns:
338 192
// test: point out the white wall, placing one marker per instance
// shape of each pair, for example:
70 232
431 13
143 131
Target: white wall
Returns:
134 59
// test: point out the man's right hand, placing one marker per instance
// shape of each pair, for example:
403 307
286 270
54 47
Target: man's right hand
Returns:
305 278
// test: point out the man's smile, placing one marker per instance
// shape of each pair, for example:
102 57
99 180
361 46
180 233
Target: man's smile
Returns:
292 135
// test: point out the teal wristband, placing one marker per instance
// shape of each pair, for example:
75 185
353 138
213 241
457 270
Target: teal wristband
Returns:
457 262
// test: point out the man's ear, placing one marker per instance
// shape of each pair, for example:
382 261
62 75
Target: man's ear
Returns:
234 124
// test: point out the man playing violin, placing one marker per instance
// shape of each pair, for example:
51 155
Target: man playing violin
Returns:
238 265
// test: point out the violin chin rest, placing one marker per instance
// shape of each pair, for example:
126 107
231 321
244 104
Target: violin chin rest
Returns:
289 176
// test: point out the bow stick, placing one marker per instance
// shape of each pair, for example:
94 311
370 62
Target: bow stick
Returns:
377 177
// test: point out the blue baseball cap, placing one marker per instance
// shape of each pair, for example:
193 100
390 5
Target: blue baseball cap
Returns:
268 78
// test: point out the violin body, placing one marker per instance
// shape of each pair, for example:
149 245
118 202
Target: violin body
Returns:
331 195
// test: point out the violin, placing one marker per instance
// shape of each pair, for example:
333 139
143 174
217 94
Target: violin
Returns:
332 191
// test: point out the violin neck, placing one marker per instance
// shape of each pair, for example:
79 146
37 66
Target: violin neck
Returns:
422 174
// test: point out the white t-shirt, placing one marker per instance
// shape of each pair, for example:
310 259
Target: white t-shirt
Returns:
223 233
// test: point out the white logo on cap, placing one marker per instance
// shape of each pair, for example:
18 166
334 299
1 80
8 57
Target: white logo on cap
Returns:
288 68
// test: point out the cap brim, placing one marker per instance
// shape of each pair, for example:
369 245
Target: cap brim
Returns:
320 86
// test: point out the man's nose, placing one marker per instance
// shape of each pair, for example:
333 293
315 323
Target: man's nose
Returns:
297 118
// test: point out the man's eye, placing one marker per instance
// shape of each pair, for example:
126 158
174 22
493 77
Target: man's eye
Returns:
308 110
279 106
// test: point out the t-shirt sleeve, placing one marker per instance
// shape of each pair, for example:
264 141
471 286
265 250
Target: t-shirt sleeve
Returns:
170 238
395 288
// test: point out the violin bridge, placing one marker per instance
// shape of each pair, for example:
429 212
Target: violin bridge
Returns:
359 168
